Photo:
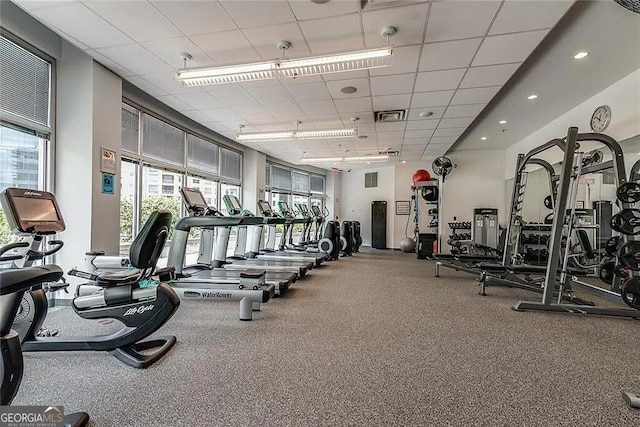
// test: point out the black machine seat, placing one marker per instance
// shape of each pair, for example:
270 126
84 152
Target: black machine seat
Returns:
583 238
116 278
16 280
252 273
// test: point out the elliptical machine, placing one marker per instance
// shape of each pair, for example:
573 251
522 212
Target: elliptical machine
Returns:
329 243
112 295
347 238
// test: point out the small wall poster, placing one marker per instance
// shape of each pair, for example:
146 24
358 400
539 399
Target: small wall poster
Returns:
107 183
403 207
108 161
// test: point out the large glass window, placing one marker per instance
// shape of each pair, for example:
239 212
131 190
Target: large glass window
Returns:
299 182
167 199
130 128
280 178
230 165
203 156
161 141
128 190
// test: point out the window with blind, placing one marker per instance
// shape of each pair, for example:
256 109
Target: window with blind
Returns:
25 84
130 128
280 178
299 182
161 141
230 165
202 155
316 183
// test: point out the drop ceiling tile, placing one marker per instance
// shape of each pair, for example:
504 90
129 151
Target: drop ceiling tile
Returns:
391 102
349 75
195 17
110 64
198 99
77 43
422 138
309 92
431 99
333 35
86 25
363 117
196 115
139 20
137 59
392 85
167 82
286 111
452 20
174 103
463 111
409 22
265 40
447 55
493 75
353 105
224 115
169 51
390 126
405 60
253 112
269 94
436 140
508 48
301 80
318 108
232 96
390 136
422 124
454 132
362 86
226 47
418 134
146 86
254 13
414 113
460 122
480 95
539 15
438 80
309 10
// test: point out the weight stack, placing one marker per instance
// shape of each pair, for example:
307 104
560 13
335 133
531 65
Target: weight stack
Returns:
379 224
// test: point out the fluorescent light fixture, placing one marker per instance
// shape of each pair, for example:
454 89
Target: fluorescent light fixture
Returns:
287 68
532 96
580 55
353 159
296 134
503 122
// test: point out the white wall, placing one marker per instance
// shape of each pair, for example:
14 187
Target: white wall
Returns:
254 165
624 99
356 200
333 184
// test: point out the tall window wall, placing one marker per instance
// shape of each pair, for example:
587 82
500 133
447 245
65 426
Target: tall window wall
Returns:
25 118
158 159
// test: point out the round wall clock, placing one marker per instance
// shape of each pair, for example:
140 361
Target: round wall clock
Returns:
601 118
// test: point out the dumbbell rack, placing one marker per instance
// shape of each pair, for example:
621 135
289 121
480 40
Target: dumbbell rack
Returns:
456 239
533 243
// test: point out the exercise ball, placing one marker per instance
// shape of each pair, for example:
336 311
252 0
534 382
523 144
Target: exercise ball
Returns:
420 175
407 244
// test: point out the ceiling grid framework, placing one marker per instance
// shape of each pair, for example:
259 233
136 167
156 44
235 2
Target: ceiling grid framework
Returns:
450 59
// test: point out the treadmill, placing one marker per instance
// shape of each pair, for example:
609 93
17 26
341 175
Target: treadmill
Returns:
238 261
271 220
203 272
288 214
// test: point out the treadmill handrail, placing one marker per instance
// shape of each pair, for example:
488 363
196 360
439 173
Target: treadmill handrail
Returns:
189 222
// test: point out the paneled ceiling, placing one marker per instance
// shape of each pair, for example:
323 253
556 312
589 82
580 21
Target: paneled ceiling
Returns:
450 59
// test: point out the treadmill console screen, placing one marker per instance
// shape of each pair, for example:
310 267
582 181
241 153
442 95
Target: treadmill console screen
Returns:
235 203
194 199
264 207
316 210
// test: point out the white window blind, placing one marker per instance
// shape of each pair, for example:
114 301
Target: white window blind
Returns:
230 164
130 129
317 184
202 155
162 141
25 83
280 178
299 182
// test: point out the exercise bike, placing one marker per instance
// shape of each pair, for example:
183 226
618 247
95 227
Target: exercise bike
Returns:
119 295
13 285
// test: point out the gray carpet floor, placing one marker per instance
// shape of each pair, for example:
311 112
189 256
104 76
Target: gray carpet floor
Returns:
374 339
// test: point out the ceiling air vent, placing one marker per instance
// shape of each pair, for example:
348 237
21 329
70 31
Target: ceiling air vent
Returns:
390 116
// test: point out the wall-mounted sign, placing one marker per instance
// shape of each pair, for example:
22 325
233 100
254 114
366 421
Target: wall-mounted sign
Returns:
403 207
107 183
108 161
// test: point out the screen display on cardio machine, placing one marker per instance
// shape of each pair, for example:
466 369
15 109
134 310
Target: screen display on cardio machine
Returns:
194 198
235 203
315 209
265 207
29 211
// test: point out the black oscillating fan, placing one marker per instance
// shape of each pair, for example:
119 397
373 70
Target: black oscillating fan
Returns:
442 166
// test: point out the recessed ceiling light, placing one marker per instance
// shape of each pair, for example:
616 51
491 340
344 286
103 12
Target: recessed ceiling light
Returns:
503 122
404 161
426 114
532 96
362 137
348 90
580 55
484 138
